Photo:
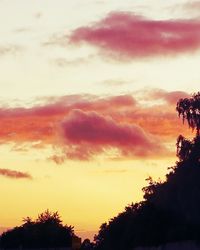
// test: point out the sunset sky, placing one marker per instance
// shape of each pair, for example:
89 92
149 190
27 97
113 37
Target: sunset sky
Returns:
88 90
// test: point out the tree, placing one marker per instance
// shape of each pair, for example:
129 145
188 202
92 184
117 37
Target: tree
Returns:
184 148
46 231
189 109
170 209
49 217
87 245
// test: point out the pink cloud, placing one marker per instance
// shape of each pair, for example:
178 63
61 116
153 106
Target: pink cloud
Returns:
123 34
192 5
92 125
39 123
170 97
90 133
14 174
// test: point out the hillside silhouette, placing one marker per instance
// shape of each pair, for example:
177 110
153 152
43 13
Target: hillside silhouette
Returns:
170 211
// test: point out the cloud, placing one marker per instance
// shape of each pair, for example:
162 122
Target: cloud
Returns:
39 123
62 62
14 174
125 35
85 126
58 159
170 97
116 82
38 15
192 5
23 29
188 9
55 39
92 134
10 49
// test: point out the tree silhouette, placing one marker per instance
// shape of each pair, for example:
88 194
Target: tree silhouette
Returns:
189 109
46 231
184 148
87 245
170 211
48 217
27 221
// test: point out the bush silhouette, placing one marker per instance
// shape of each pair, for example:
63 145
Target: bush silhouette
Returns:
46 231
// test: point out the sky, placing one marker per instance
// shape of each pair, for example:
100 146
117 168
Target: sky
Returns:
88 91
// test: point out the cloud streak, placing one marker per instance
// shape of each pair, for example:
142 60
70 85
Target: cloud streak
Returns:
10 49
12 174
125 35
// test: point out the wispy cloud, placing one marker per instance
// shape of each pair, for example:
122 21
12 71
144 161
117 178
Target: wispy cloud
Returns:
10 49
169 97
125 35
14 174
188 9
192 5
38 15
63 62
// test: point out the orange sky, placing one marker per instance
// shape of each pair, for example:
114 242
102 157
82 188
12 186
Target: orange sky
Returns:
87 103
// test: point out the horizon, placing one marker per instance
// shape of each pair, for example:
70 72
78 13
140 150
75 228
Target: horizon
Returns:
88 98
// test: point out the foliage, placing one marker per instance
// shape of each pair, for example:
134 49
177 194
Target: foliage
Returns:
170 209
46 231
189 109
188 150
87 245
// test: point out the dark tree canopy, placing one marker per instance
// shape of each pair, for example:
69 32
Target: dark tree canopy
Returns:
189 109
87 245
46 231
49 218
170 211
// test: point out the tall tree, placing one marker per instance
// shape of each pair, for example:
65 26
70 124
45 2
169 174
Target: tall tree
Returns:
189 109
170 209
